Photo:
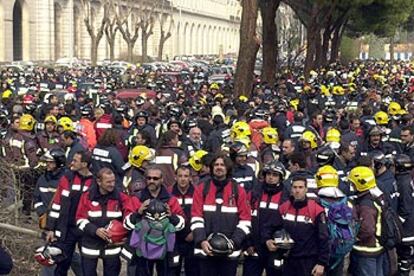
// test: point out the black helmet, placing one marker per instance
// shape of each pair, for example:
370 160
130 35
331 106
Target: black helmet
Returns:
173 120
325 156
283 240
86 111
156 210
175 111
275 166
378 157
403 163
56 155
143 114
139 100
220 244
237 148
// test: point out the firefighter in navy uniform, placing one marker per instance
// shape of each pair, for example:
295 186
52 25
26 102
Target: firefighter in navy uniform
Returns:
134 176
183 190
242 173
155 189
265 201
61 222
98 208
49 137
220 220
405 251
305 221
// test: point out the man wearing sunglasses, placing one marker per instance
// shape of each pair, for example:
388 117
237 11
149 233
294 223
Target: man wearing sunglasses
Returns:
154 189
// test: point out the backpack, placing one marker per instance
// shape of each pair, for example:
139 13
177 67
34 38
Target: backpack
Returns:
342 229
391 226
153 239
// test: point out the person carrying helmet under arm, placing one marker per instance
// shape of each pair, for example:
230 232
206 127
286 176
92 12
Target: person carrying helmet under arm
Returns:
154 190
305 221
99 217
220 221
265 199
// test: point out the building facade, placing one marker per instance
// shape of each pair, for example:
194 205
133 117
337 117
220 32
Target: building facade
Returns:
47 30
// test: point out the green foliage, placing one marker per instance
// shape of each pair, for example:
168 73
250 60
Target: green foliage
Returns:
349 49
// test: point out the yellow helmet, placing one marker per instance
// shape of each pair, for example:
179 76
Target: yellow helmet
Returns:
294 103
218 97
363 178
27 122
327 176
6 94
195 160
243 99
66 123
245 140
50 119
310 137
139 154
325 90
338 90
381 118
333 135
240 129
270 135
394 108
214 86
403 112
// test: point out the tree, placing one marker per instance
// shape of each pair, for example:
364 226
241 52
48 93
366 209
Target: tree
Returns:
146 23
249 45
165 35
96 34
111 29
128 24
268 10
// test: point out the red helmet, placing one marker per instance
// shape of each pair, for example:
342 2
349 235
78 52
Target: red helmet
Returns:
116 231
45 255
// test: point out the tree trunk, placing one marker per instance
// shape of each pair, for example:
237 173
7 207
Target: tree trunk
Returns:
392 49
268 10
94 50
248 48
130 46
336 42
311 49
325 46
161 48
318 50
144 41
111 43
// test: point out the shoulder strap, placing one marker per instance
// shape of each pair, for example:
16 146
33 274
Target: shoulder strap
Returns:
235 190
206 188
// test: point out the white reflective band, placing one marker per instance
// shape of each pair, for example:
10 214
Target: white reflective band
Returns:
101 152
196 225
243 179
163 160
181 223
226 209
58 233
188 201
299 218
311 195
311 183
277 263
244 225
56 207
253 153
209 208
103 159
37 205
254 213
76 187
128 224
90 252
298 128
126 253
235 254
176 259
198 251
47 190
180 201
103 125
82 223
112 214
65 193
16 143
95 214
112 251
408 239
340 172
54 214
273 206
197 219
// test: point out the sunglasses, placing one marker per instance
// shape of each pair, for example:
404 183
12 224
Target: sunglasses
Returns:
153 178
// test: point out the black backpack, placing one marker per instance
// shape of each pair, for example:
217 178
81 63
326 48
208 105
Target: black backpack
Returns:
391 226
